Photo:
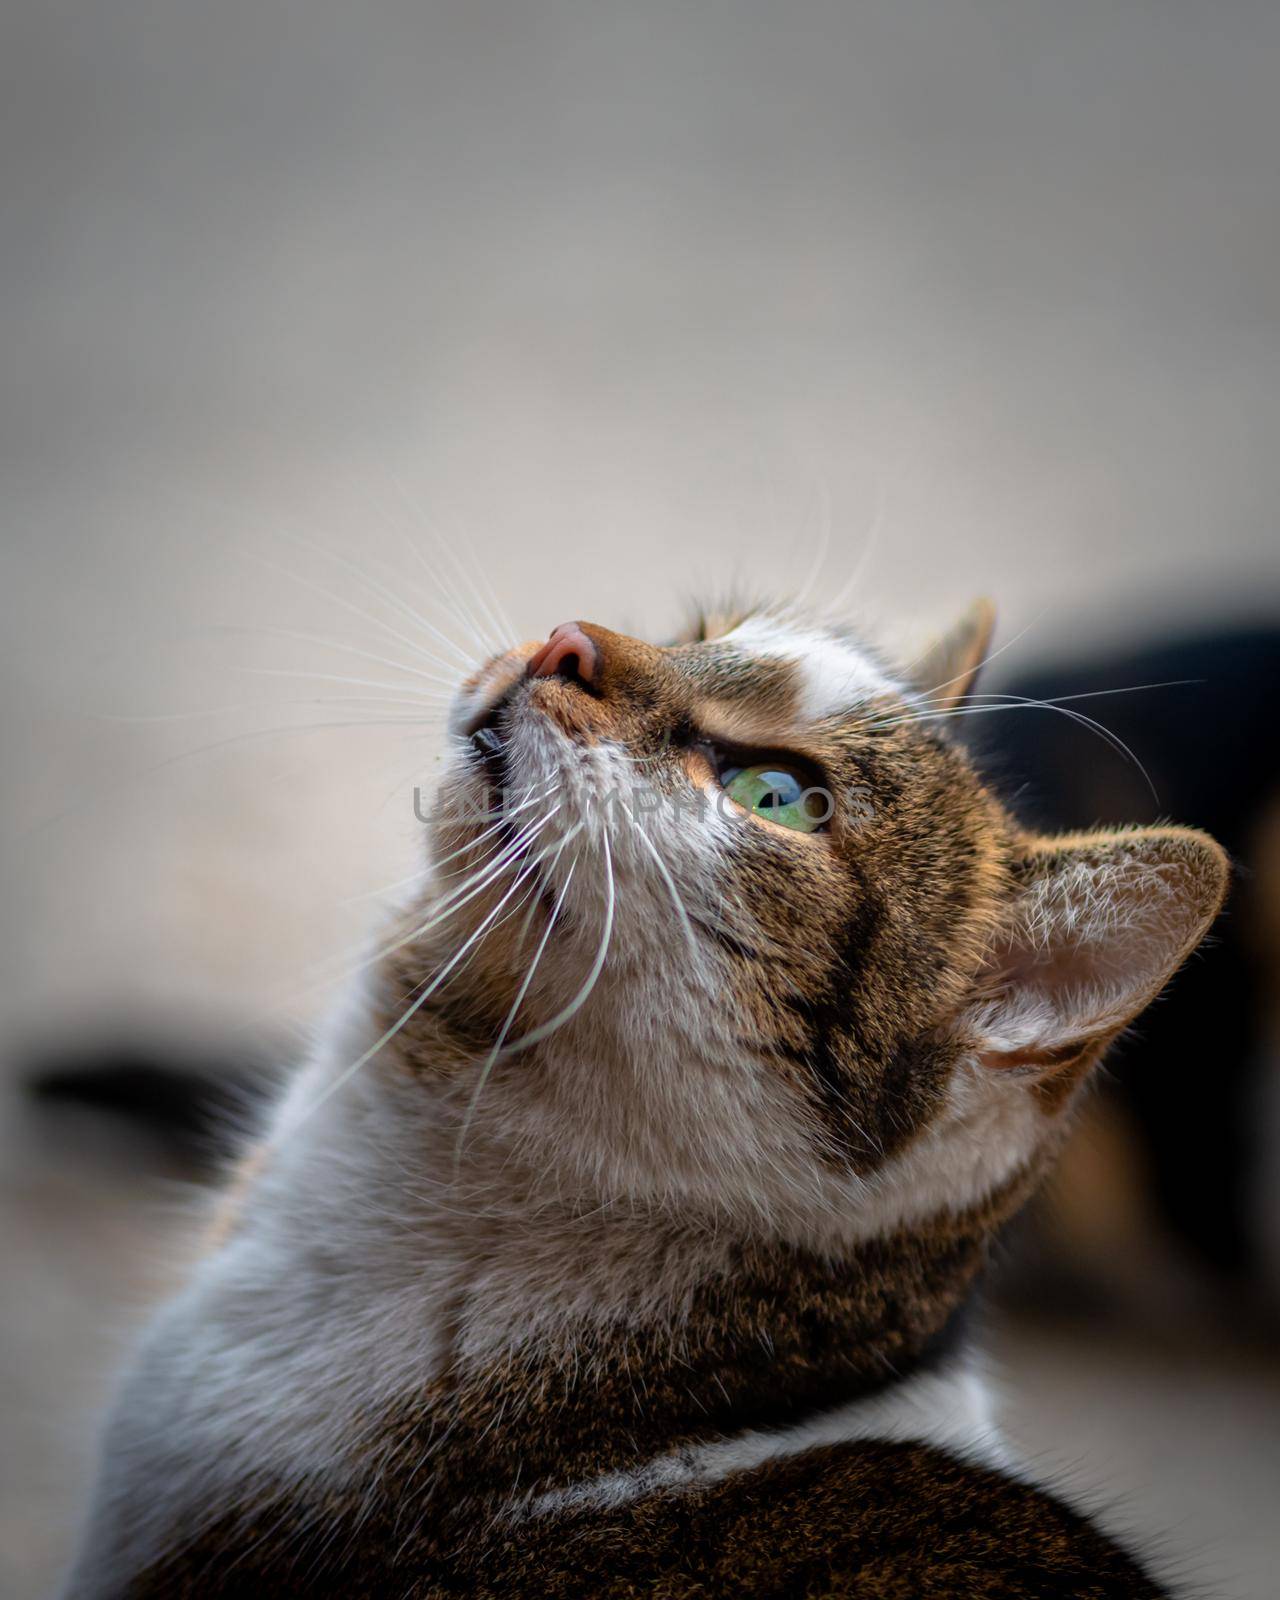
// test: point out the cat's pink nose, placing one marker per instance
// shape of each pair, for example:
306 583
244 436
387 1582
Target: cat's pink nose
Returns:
568 653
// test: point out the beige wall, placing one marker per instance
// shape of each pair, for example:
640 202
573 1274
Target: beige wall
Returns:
625 303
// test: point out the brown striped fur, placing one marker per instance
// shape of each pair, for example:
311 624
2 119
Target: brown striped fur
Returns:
871 1521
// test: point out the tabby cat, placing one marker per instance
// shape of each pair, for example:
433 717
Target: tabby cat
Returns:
618 1238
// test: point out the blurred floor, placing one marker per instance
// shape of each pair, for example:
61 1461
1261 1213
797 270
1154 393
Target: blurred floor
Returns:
1174 1445
92 1230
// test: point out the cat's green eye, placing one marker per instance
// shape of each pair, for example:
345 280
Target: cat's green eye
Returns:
782 794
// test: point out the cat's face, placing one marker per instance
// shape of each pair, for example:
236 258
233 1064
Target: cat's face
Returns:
747 929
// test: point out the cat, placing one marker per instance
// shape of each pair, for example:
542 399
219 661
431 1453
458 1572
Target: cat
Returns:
618 1237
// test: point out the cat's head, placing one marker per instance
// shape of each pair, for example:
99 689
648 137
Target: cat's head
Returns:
735 925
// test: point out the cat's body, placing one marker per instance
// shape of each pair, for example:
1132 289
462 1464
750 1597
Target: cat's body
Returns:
633 1258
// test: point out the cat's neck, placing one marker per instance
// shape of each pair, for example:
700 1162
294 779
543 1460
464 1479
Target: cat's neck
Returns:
486 1375
583 1341
769 1337
547 1334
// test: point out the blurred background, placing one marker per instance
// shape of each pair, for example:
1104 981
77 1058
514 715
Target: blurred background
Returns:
315 315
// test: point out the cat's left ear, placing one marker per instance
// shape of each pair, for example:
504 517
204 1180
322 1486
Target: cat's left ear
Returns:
1099 924
949 667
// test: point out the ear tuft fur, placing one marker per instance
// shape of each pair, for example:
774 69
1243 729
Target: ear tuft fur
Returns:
949 668
714 619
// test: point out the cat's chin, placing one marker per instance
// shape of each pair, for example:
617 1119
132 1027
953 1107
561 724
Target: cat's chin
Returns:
482 695
493 735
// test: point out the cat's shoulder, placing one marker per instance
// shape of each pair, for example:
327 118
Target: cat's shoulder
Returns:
866 1518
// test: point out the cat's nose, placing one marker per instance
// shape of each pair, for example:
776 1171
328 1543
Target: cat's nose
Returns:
568 653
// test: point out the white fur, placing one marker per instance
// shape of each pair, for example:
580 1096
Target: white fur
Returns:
950 1410
837 676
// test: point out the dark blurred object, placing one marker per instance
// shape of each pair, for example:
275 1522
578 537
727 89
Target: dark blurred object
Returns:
1187 1089
200 1108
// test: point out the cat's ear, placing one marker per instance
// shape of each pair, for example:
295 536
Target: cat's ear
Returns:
949 667
1098 926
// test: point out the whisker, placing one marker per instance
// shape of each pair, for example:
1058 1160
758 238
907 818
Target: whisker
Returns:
597 966
341 967
525 874
433 865
1098 694
471 887
477 579
365 895
501 624
824 547
349 1072
440 581
250 736
639 831
355 610
429 708
339 644
488 617
313 546
841 596
496 610
377 587
518 1001
1020 703
338 677
488 842
972 672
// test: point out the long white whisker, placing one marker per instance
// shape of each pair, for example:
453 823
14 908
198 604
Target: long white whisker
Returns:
597 966
969 700
339 677
416 876
346 649
493 868
297 539
501 625
431 709
472 887
487 1068
357 611
690 937
1113 740
824 547
496 610
377 587
342 966
345 1076
841 596
525 874
486 643
437 862
491 616
1091 694
209 748
972 672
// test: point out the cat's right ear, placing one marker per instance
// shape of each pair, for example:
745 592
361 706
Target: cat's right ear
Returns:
949 668
1098 925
